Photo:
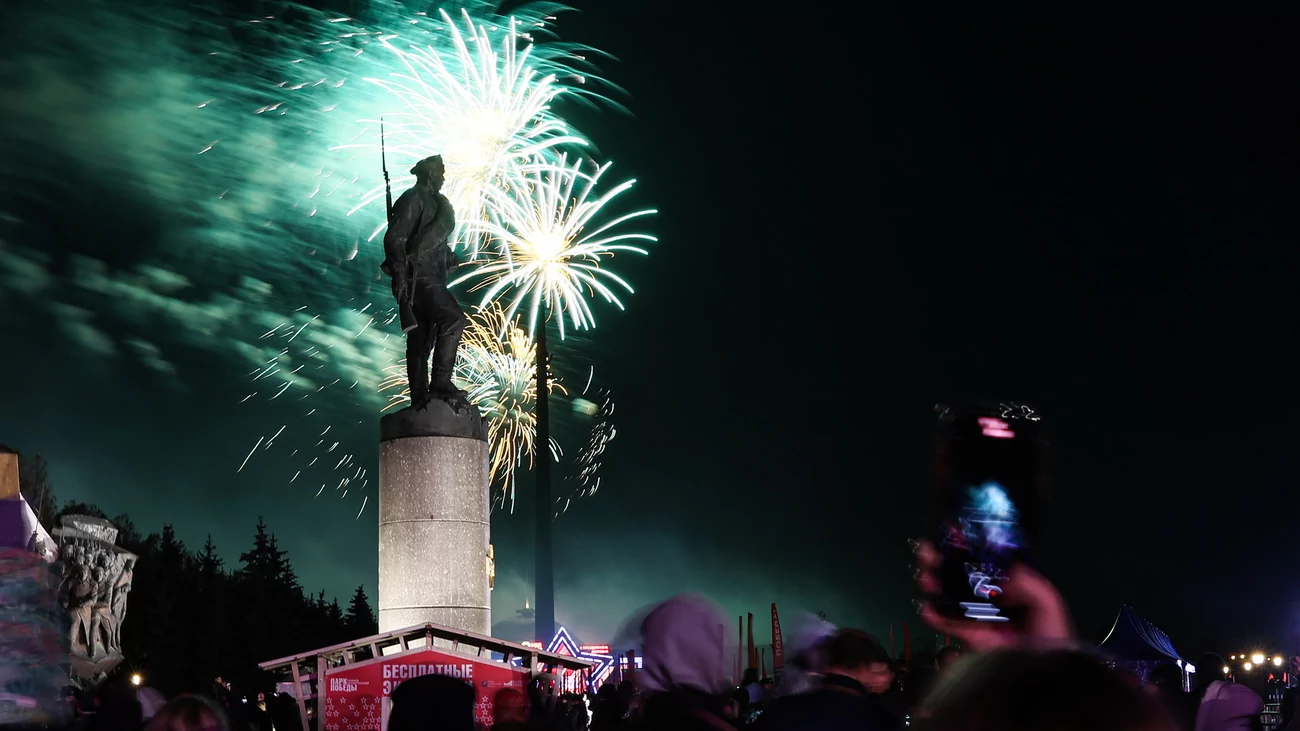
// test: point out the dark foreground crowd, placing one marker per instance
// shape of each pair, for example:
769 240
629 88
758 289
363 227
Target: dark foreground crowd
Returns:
1030 676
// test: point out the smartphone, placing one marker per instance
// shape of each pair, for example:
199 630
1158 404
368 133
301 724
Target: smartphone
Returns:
990 489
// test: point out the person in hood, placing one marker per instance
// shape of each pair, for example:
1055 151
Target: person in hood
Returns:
1226 706
685 667
1214 704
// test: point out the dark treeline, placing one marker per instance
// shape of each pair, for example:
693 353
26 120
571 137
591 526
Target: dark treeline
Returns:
191 618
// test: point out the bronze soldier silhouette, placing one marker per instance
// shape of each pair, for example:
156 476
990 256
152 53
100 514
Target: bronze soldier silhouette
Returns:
418 259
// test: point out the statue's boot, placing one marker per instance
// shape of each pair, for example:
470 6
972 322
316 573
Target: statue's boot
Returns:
443 387
444 358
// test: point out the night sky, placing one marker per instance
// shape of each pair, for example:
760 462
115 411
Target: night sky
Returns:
860 216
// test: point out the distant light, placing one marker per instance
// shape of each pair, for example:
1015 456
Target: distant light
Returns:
1247 666
1278 661
1234 657
1257 658
1226 670
136 679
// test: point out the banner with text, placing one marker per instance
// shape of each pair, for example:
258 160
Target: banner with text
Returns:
778 645
356 696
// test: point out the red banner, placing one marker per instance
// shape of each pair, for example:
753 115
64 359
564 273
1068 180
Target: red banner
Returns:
778 644
356 696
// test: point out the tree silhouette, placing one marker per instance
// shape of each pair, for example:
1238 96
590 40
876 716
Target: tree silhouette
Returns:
266 563
162 598
360 620
275 618
34 483
78 508
212 647
210 566
127 535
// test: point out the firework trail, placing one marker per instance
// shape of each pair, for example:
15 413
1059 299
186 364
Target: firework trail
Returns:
585 470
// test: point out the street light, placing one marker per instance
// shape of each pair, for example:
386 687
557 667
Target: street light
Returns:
136 680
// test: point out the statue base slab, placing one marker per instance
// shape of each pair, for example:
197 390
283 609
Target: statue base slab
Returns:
436 419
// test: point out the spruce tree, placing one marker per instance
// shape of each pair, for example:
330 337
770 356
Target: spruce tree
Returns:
173 559
212 636
360 620
274 611
127 535
210 565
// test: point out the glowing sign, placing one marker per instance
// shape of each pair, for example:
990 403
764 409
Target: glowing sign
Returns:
595 649
563 644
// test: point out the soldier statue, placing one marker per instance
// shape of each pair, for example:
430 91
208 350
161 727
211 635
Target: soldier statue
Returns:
418 258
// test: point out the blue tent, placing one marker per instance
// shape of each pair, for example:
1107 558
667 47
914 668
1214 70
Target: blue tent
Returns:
1133 639
1135 643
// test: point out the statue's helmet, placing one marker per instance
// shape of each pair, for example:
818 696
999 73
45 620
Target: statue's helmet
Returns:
428 166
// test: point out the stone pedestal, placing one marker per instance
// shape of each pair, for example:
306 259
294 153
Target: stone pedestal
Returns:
434 525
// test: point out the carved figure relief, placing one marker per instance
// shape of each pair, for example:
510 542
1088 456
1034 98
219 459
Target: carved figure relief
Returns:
96 579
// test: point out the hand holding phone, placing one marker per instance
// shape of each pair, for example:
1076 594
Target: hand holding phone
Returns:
989 494
1043 616
977 569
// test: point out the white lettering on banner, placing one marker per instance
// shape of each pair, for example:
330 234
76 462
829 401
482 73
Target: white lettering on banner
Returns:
406 672
343 685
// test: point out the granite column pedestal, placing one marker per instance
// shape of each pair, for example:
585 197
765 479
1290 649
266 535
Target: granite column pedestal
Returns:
434 525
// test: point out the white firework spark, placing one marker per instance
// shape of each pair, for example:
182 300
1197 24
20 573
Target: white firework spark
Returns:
486 110
543 255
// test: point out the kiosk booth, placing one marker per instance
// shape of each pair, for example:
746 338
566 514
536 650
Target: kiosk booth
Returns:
347 687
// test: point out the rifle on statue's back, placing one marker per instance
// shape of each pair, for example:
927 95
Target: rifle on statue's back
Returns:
405 312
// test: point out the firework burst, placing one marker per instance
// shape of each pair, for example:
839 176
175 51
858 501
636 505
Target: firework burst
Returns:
485 109
474 85
543 254
496 368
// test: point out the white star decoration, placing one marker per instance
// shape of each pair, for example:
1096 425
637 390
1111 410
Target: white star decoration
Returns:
563 644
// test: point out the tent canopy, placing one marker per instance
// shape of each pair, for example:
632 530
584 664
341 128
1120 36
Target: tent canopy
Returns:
20 529
1133 639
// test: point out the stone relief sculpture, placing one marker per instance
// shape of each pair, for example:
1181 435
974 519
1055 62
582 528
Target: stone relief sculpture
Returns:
96 579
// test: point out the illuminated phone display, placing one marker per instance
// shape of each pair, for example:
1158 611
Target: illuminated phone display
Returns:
988 503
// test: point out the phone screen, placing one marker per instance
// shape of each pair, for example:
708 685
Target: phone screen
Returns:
989 498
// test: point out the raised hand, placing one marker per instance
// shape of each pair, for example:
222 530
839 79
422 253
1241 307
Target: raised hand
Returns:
1046 618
